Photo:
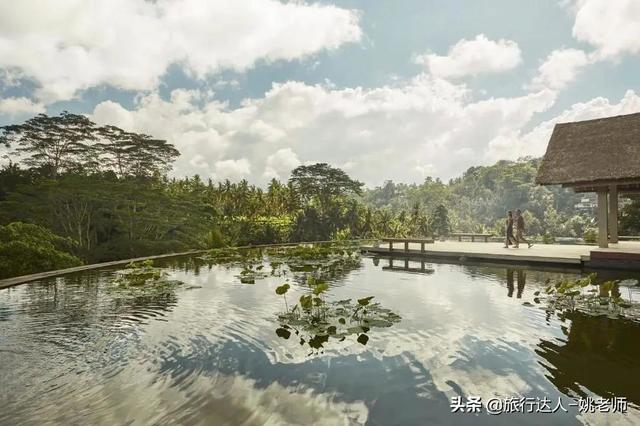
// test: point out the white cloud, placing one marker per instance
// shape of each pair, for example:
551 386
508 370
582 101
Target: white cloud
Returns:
18 106
280 164
426 127
613 27
405 131
535 142
560 68
472 57
233 170
77 44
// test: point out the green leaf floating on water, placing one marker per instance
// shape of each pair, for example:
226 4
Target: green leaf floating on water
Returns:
590 296
283 333
363 339
319 324
282 289
306 302
320 288
365 301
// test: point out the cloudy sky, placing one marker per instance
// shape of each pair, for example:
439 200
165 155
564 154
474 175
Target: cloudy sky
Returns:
385 89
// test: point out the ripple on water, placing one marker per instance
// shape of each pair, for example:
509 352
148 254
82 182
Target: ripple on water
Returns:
73 349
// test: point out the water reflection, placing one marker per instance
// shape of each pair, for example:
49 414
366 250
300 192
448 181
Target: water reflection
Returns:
598 356
521 282
72 351
405 265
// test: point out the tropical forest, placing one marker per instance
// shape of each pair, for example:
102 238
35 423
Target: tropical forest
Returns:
73 192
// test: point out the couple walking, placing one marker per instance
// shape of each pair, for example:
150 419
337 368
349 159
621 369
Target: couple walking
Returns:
519 222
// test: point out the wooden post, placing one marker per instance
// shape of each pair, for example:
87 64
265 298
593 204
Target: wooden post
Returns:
603 235
422 247
406 246
406 264
613 214
390 246
473 238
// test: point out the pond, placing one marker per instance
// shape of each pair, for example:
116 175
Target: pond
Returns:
221 349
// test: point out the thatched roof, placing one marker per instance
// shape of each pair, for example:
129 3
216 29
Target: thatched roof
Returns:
605 150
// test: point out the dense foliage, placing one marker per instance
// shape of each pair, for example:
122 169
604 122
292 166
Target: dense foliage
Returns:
478 200
26 248
106 189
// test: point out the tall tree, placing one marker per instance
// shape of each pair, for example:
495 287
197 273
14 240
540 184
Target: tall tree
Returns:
323 182
53 144
440 220
134 154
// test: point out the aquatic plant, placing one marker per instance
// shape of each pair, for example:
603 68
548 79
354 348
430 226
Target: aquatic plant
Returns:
141 274
591 297
322 260
315 321
231 254
250 273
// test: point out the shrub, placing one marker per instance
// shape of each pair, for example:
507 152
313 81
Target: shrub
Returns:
27 248
547 238
590 235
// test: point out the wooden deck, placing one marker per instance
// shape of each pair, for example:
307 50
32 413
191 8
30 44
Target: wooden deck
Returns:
624 255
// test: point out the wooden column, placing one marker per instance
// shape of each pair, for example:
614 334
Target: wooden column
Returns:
603 234
613 214
406 246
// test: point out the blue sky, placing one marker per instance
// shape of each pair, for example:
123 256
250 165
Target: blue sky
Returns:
252 89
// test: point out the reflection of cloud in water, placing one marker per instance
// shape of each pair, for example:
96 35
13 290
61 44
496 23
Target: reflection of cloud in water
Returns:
237 400
351 380
466 336
209 400
214 357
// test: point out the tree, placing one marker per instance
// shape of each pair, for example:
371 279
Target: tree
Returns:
630 218
73 143
51 143
440 220
322 182
418 221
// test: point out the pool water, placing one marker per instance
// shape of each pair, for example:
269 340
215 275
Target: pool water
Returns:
74 350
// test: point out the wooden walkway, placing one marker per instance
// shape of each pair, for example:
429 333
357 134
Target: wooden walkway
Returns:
624 255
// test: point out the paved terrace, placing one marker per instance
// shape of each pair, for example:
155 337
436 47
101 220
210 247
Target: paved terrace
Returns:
562 254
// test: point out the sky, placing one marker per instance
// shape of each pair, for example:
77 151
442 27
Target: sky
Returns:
385 89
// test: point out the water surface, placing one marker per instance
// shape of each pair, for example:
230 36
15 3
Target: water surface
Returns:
73 350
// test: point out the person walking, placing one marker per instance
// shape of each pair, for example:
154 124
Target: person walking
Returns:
509 231
520 229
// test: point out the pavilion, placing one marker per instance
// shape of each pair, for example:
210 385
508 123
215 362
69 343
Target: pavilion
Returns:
601 156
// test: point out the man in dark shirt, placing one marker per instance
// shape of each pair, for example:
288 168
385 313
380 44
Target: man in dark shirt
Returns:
519 220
